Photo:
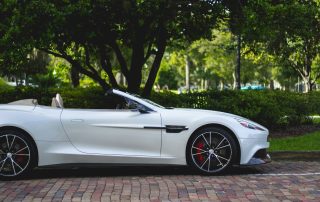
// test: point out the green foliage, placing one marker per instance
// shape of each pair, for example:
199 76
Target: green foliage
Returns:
48 80
290 30
4 85
88 34
274 109
307 142
168 77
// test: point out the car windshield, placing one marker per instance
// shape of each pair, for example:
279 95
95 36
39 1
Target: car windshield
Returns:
147 100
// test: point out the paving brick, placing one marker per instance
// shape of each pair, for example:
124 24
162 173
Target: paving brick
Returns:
278 181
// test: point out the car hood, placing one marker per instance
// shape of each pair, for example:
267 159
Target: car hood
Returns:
187 112
206 112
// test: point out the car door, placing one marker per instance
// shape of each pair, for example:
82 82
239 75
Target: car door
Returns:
121 131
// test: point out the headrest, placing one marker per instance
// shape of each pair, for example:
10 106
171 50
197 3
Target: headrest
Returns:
59 100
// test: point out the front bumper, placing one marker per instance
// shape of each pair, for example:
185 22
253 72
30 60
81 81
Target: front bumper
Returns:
260 157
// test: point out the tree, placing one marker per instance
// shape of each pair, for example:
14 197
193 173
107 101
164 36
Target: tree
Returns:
87 33
217 55
291 31
236 23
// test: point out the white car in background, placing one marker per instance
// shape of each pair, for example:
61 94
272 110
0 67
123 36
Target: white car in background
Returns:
133 131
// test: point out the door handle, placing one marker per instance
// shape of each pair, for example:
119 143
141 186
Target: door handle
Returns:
76 120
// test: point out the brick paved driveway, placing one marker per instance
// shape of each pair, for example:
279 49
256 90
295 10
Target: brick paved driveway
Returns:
278 181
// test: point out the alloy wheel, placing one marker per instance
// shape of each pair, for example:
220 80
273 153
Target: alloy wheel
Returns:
14 155
211 151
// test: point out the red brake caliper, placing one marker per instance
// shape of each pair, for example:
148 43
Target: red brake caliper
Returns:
200 157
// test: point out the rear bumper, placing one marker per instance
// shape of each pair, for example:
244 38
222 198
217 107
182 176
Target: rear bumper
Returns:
260 157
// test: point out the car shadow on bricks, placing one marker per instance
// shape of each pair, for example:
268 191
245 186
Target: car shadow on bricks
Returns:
123 171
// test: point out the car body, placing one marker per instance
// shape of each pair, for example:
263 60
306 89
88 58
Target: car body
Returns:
142 132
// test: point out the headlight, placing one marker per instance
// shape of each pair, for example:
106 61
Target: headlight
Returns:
249 125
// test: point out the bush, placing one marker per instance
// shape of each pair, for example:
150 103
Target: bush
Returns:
273 109
4 85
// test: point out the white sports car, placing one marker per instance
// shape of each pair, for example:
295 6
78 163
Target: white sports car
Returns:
133 131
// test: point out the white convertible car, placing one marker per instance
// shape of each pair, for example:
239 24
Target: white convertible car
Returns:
133 131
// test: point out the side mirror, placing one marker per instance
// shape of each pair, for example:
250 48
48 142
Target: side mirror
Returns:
137 107
142 109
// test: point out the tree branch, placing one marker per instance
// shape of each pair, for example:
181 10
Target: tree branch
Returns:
295 67
87 59
106 66
51 52
149 52
161 43
122 61
78 66
316 77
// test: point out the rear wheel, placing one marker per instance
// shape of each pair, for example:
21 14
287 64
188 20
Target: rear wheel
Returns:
211 150
17 154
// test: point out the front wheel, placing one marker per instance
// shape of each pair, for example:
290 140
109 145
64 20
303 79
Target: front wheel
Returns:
211 150
17 154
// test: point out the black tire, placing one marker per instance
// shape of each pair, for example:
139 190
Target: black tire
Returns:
210 156
17 154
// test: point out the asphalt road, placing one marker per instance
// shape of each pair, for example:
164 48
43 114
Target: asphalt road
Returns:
277 181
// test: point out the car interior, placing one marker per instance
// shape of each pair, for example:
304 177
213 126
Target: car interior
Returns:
110 102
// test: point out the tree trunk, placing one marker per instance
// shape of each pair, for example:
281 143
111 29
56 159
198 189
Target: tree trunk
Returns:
307 71
188 63
271 84
206 84
201 84
238 66
27 79
137 62
308 85
234 80
221 85
161 45
75 77
105 86
154 71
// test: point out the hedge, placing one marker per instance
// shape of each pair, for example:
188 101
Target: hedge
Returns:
273 109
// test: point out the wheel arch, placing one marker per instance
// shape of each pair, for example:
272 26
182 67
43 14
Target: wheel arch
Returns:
28 135
238 158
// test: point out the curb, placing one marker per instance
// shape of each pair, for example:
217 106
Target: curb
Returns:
295 155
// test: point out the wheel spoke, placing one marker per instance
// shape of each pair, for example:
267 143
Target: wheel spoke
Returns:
14 137
204 162
3 162
21 149
223 146
7 142
17 164
220 163
216 157
198 148
14 170
222 157
205 140
14 145
200 153
220 142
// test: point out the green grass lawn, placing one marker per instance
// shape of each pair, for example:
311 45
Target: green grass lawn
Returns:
308 142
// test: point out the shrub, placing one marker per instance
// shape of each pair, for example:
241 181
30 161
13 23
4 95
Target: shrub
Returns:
273 109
